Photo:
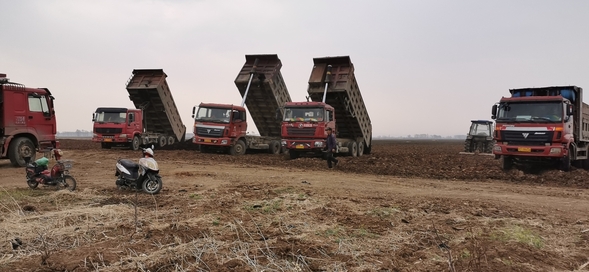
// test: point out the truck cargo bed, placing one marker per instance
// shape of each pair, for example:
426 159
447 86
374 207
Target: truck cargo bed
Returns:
149 91
267 94
343 95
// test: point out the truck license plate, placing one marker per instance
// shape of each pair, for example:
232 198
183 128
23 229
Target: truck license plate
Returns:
524 149
108 140
207 140
300 146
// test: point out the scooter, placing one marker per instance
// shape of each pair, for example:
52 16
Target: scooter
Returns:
59 175
140 176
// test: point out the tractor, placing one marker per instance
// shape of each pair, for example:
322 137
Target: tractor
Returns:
480 138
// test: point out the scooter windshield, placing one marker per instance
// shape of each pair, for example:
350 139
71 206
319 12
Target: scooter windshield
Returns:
149 163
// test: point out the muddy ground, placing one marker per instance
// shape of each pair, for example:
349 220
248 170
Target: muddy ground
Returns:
408 206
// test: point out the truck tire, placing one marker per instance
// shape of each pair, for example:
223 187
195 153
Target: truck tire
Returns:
162 141
171 140
238 148
468 146
274 147
135 143
19 148
360 145
565 163
352 149
106 145
293 154
506 163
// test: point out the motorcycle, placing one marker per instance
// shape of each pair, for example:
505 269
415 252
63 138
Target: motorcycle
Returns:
59 175
140 176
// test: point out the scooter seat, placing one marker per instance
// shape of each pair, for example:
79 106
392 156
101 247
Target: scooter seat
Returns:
129 164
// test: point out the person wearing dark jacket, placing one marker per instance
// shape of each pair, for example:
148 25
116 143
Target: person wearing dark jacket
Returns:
331 146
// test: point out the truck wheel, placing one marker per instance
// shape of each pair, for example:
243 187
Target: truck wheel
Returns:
352 149
162 141
171 140
565 164
293 154
360 145
507 163
105 145
238 148
468 146
274 147
135 143
19 148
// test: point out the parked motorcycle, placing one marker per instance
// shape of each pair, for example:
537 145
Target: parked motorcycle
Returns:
37 172
140 176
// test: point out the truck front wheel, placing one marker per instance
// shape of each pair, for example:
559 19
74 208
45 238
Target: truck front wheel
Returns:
19 148
238 148
274 147
507 163
565 163
135 143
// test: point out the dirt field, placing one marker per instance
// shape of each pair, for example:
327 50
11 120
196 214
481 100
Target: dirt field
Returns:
409 206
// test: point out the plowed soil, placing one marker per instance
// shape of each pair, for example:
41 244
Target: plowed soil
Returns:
408 206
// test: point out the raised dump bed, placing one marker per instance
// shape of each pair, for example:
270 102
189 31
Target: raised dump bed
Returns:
267 93
149 92
343 94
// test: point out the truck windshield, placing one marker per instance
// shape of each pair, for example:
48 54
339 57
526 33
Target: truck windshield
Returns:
111 117
297 114
215 115
530 112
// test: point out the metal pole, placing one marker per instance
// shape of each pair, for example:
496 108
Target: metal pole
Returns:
327 80
252 72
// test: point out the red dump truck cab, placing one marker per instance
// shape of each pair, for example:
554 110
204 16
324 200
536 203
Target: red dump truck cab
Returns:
542 125
116 126
27 121
218 124
304 124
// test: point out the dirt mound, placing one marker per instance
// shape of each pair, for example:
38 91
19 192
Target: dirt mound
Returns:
402 158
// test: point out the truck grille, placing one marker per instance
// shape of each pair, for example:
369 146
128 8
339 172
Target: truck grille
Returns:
108 130
209 132
527 137
295 131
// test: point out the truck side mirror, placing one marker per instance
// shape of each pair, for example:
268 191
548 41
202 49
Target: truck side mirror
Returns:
494 112
93 117
193 111
569 110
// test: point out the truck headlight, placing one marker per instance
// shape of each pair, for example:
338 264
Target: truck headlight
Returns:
319 144
555 150
283 143
223 141
497 148
123 135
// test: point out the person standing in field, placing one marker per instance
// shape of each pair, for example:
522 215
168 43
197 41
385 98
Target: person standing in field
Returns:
331 145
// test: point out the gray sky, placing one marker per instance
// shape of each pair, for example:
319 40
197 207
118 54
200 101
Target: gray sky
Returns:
422 66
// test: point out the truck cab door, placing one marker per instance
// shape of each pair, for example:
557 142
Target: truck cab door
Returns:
330 120
132 123
239 122
41 117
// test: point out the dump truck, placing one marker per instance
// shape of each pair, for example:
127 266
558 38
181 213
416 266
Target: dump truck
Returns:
155 119
542 125
223 127
27 121
479 139
334 101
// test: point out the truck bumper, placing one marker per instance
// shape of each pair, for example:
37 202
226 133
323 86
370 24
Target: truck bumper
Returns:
304 145
212 141
551 151
100 139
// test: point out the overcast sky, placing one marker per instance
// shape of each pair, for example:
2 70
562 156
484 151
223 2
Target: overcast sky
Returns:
422 66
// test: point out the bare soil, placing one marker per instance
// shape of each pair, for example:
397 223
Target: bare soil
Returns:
408 206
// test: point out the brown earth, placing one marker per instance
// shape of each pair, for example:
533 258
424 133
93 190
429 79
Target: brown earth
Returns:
408 206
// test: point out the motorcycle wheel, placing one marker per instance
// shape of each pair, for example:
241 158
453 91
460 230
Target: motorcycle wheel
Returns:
32 183
67 182
152 185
